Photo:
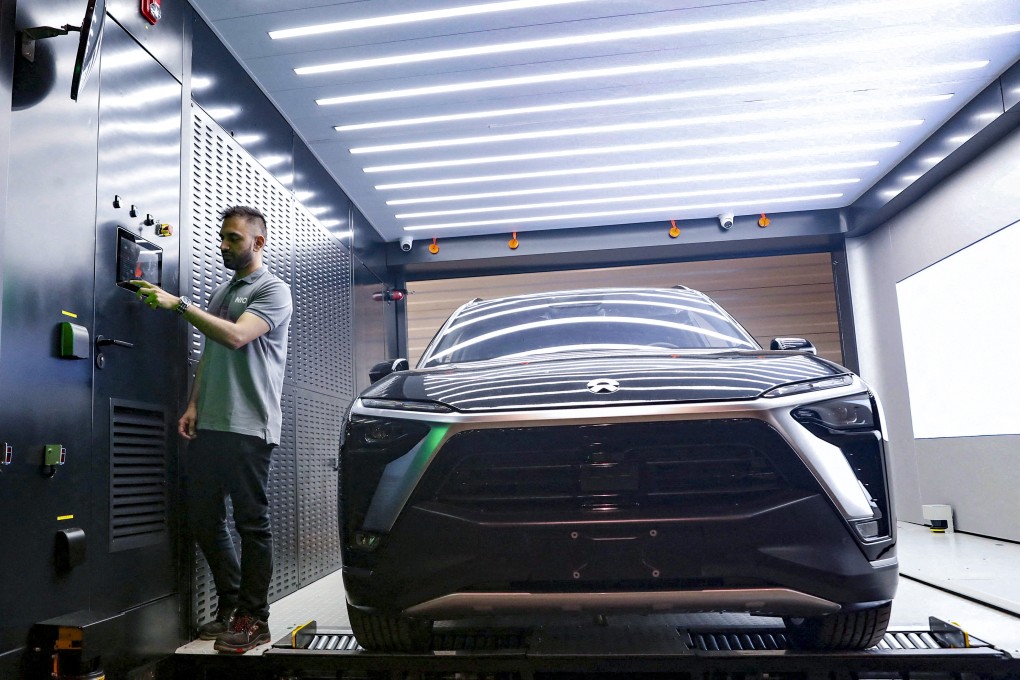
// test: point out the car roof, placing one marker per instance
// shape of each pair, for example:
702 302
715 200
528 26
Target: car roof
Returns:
677 292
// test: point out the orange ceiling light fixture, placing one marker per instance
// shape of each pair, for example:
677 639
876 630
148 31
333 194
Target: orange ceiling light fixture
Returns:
434 246
513 243
764 221
674 231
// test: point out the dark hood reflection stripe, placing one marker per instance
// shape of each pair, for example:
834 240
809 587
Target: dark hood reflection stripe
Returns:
559 382
658 369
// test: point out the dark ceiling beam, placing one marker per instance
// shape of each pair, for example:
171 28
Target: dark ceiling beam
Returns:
618 245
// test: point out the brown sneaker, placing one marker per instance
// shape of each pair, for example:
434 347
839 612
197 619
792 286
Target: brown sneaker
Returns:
246 632
218 626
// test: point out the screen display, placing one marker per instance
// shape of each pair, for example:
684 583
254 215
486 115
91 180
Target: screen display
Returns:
88 44
958 319
137 259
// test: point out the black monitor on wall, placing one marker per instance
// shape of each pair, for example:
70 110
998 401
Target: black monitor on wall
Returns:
137 259
88 44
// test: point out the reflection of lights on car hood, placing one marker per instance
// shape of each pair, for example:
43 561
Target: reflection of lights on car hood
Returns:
640 378
605 321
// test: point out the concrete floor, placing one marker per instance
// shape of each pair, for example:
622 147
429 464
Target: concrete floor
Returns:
965 579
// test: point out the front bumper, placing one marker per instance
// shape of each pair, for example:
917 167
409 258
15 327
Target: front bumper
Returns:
794 556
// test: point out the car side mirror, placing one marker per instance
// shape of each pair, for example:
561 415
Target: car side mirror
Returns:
384 368
795 344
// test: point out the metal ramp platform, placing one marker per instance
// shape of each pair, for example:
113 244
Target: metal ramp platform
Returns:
702 649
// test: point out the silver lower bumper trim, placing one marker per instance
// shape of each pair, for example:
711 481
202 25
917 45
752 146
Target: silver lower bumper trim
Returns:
767 601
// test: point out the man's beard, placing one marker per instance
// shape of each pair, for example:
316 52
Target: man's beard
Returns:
235 262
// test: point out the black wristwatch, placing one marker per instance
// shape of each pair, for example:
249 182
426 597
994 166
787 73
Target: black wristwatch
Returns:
183 305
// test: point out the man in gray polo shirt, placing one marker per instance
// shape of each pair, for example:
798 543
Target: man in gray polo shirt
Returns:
233 421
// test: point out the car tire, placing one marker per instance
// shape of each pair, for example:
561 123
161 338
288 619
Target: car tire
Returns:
385 633
860 629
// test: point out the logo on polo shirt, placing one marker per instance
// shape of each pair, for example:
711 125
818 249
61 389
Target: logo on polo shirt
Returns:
242 299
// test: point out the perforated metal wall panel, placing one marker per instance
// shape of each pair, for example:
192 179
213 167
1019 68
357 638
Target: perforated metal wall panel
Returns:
282 493
321 330
222 175
203 590
319 378
318 443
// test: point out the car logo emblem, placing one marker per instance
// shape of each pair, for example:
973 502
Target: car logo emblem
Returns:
603 386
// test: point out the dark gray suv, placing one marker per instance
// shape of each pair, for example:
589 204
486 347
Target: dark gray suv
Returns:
609 451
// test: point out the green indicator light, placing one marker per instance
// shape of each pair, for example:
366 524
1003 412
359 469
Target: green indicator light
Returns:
404 474
428 448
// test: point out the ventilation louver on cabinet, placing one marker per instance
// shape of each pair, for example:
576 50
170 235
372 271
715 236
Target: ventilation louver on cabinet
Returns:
138 475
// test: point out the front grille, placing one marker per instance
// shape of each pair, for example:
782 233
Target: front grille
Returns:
688 464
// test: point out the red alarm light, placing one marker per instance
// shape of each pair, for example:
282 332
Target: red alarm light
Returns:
151 11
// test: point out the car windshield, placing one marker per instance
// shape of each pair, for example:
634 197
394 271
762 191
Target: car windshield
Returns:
586 321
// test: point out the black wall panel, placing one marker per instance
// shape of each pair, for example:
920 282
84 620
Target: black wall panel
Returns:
61 165
137 390
163 40
48 244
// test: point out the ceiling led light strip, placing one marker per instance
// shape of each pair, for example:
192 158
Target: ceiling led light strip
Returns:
806 16
414 17
899 44
651 146
624 199
800 112
669 209
827 85
809 151
717 177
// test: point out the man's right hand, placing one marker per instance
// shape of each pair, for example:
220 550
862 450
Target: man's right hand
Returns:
186 426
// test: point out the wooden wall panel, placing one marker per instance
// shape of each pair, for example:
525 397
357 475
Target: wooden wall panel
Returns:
783 295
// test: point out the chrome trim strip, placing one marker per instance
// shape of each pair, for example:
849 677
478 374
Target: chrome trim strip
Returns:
616 414
825 461
765 601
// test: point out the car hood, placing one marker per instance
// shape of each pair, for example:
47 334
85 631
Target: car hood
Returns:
600 380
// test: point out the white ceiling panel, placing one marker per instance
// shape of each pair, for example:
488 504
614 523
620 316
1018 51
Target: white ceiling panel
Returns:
574 113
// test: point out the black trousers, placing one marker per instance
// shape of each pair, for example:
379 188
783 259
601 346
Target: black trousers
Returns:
222 464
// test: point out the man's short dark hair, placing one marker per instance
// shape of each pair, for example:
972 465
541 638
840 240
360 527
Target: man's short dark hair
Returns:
252 217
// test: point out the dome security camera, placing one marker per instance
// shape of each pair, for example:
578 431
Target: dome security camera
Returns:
726 220
405 243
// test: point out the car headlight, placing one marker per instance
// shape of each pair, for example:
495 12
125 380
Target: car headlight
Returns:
370 445
854 412
404 405
809 386
851 423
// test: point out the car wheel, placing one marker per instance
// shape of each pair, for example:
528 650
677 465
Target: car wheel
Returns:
859 629
385 633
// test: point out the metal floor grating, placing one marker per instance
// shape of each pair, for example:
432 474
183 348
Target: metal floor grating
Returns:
914 640
494 641
775 641
689 641
334 642
732 642
624 649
